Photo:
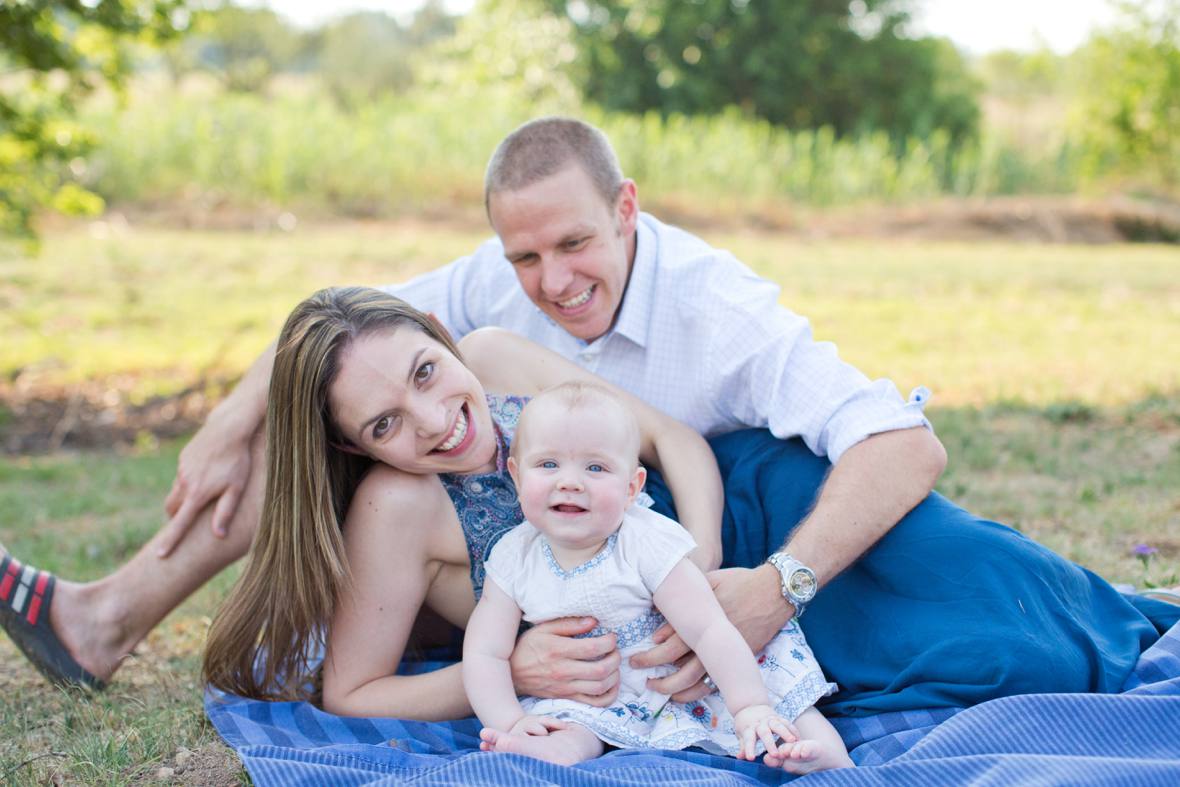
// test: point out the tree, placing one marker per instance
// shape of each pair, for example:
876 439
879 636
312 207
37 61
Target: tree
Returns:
57 51
1129 110
245 47
366 54
803 64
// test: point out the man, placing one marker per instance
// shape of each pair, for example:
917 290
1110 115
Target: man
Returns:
578 268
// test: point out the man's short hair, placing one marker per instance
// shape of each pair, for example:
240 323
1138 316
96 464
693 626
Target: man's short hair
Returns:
545 146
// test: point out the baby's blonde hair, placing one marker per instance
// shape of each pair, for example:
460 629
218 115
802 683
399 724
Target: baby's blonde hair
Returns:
577 395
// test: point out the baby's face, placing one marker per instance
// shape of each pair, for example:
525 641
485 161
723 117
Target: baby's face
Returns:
576 472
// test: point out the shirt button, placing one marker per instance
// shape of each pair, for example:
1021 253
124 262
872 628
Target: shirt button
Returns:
476 487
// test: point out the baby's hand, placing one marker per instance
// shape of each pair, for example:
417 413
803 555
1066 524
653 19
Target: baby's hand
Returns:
760 723
536 725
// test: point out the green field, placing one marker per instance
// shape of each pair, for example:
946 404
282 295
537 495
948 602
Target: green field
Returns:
1055 376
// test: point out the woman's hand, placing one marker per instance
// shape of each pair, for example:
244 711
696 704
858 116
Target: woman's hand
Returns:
548 662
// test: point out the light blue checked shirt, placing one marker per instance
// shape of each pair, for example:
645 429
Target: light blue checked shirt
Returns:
699 336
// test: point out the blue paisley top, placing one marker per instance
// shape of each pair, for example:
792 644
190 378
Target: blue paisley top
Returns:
486 502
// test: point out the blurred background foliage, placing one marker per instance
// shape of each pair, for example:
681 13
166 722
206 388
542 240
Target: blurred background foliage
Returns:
723 102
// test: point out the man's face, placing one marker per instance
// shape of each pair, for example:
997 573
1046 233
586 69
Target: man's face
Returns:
571 250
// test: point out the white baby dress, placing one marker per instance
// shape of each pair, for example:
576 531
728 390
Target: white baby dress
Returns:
616 587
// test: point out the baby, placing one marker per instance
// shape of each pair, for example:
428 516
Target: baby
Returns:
584 549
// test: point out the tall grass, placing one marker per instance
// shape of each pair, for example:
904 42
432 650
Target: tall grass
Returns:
299 149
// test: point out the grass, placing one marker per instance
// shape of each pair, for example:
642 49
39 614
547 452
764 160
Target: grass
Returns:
1056 394
295 149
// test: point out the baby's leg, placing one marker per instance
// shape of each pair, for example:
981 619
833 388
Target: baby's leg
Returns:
819 747
571 745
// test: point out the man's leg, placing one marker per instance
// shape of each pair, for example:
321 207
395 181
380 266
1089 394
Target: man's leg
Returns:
101 622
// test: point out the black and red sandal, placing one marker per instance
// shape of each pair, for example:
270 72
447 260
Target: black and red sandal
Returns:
25 596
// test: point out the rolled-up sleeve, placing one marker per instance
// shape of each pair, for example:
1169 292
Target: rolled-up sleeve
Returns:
774 375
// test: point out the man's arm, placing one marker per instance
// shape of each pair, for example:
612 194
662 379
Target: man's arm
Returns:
876 483
216 462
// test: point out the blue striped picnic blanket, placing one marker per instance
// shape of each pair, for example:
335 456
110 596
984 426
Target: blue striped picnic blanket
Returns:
1132 738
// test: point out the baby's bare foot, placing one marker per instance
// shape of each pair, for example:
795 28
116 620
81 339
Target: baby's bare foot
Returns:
809 755
561 747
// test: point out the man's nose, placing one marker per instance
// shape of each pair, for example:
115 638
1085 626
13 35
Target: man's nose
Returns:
555 277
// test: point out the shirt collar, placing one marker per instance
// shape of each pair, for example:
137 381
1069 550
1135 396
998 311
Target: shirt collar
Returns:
634 321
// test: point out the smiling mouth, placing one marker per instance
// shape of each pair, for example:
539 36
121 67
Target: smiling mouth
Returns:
578 300
458 433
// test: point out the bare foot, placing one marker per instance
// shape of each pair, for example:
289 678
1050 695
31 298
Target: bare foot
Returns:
806 756
562 747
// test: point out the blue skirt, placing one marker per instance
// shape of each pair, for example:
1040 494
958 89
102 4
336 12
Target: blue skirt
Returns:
947 610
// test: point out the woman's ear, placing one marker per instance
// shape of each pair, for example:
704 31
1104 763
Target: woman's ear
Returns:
638 479
349 448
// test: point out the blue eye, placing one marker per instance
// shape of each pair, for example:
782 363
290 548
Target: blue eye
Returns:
596 468
549 464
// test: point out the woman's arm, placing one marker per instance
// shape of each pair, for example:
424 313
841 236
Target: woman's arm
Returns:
687 601
487 645
401 544
507 363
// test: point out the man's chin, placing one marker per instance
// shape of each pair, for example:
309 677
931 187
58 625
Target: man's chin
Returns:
585 328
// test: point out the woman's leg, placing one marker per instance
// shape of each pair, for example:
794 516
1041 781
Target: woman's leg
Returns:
951 609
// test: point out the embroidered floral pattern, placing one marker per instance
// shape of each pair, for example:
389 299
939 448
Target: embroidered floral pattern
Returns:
602 555
631 633
486 503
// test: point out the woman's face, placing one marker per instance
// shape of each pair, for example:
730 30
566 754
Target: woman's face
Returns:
402 398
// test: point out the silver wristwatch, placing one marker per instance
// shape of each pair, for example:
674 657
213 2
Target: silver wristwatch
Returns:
798 581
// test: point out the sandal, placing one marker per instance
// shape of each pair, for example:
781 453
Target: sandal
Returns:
25 595
1170 595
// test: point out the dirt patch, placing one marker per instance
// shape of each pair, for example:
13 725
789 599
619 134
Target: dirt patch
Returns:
211 765
98 414
1118 219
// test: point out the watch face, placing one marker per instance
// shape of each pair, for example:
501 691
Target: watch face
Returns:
802 585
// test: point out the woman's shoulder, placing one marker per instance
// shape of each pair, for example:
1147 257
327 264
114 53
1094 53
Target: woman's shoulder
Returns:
386 494
386 483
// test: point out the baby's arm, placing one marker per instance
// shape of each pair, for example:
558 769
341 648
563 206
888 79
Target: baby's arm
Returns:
491 634
687 601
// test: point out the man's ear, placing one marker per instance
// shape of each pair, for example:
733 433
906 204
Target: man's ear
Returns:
638 479
627 207
513 469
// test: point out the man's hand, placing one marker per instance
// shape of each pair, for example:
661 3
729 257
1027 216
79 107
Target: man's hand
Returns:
686 683
213 466
548 662
752 601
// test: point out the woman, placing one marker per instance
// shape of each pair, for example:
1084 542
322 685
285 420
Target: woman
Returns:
370 384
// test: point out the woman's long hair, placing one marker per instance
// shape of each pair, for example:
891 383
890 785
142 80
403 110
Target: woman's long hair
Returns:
297 569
